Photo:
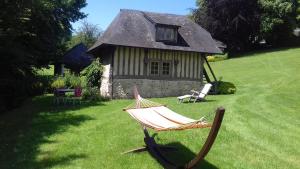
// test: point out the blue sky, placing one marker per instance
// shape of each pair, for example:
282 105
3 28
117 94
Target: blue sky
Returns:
102 12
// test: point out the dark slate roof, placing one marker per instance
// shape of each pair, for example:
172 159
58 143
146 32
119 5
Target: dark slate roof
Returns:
137 29
76 58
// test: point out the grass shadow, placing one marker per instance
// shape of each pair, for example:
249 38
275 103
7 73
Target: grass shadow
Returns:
25 129
65 160
182 155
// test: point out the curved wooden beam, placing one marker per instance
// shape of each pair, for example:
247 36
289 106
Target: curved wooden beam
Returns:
210 139
154 149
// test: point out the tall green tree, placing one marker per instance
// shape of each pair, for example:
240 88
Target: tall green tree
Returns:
298 13
241 24
87 34
32 34
234 22
278 20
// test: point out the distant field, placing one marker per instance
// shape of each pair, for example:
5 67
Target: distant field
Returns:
46 71
261 127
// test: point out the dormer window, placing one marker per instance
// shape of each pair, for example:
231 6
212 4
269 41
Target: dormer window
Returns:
166 33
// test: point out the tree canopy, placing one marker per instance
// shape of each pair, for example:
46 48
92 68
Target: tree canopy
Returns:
234 22
278 20
32 34
87 34
242 24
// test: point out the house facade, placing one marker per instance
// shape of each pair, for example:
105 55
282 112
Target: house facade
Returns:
161 54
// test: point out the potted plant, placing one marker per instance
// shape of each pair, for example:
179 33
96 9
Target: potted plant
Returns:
75 83
58 83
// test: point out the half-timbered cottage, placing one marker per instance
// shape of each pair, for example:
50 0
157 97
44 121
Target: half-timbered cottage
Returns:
162 54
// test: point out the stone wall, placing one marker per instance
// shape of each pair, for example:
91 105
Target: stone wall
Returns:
123 88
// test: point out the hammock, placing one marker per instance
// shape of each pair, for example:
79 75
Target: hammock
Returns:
158 117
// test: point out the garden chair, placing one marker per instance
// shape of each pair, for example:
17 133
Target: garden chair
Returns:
196 95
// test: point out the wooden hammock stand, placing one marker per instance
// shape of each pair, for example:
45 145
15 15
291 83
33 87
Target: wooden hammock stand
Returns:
155 149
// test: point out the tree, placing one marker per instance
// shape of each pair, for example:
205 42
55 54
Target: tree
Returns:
241 24
87 34
298 13
234 22
278 20
32 34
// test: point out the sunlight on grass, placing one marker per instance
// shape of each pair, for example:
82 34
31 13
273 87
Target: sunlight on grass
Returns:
260 128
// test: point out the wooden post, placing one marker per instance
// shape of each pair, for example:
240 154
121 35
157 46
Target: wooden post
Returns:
210 139
210 69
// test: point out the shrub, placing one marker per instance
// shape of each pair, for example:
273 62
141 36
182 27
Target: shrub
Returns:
74 81
93 73
58 83
216 58
66 78
225 87
43 84
91 93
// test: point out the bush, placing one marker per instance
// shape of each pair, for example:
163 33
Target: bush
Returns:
91 93
216 58
59 83
43 84
225 87
68 81
93 73
74 81
66 78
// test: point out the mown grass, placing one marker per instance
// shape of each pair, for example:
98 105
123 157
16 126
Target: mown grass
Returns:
46 71
261 127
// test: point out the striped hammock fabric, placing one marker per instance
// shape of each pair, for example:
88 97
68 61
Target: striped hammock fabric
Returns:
160 118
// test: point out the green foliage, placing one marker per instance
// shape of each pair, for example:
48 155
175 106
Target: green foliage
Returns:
242 24
278 20
47 71
43 84
75 81
225 87
32 34
298 13
93 73
259 130
91 93
87 34
68 81
58 83
215 58
234 22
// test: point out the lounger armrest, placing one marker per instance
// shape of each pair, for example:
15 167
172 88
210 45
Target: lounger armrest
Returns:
194 91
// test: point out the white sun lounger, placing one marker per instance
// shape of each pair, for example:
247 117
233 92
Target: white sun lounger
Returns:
195 94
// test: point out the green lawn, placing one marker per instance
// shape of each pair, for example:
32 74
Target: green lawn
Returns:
46 71
261 127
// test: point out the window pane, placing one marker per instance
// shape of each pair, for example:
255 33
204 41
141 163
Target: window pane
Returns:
166 68
154 68
166 34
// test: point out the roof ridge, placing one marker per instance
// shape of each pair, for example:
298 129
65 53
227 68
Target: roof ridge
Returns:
151 12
